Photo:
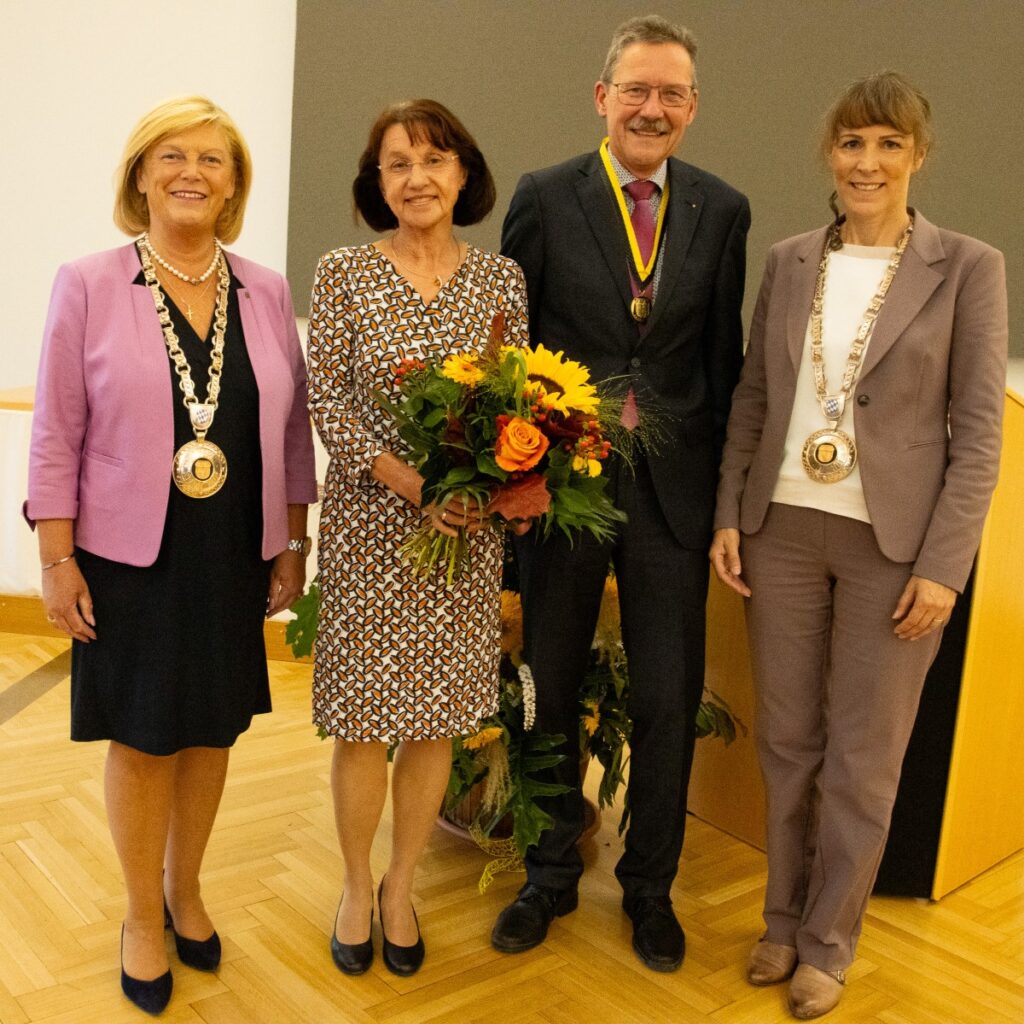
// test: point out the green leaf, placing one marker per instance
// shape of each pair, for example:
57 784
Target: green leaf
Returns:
485 464
458 475
300 633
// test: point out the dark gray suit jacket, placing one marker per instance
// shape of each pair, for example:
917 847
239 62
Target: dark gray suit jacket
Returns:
564 229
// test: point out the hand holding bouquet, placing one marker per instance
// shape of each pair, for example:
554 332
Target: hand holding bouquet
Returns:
509 435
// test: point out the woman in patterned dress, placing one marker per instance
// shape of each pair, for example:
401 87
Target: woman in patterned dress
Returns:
399 658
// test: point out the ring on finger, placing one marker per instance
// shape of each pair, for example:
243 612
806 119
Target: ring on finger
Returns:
51 618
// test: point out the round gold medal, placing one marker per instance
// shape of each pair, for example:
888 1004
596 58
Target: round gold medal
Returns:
829 455
640 308
200 469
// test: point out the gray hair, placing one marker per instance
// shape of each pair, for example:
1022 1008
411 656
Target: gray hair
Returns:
650 28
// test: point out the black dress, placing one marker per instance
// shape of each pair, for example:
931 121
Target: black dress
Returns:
179 659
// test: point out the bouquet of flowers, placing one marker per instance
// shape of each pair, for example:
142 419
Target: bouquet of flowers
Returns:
520 433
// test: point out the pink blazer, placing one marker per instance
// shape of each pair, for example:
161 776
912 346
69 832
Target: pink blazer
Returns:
103 428
929 400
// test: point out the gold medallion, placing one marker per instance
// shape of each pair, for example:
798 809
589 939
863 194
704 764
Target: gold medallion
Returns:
200 469
829 455
640 308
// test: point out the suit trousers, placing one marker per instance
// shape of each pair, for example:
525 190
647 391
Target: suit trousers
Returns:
662 595
837 695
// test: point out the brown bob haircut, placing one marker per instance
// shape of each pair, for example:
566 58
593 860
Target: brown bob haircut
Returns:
424 121
885 98
131 211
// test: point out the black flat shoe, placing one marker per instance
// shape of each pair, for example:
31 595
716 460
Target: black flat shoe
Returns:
658 938
150 996
199 954
524 923
352 958
400 960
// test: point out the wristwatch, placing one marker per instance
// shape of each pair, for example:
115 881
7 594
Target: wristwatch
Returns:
300 545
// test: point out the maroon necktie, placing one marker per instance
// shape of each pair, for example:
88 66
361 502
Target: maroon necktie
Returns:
642 216
643 227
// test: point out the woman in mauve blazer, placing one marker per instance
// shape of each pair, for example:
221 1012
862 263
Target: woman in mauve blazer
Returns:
104 415
170 470
851 533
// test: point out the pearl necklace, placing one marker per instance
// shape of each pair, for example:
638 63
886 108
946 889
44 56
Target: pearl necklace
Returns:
187 278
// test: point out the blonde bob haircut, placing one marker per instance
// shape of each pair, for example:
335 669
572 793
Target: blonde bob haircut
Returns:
131 210
886 98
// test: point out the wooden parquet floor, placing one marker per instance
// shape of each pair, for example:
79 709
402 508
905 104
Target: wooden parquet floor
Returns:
273 874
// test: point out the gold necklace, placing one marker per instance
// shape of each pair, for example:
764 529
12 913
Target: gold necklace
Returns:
200 467
830 454
435 277
188 305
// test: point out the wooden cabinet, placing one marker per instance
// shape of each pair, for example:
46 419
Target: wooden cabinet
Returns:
960 807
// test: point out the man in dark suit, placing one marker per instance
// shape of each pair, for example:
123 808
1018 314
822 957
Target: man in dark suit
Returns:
642 283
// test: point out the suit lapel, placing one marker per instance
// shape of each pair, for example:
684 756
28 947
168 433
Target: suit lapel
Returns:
684 208
151 349
594 192
149 337
255 342
805 273
911 288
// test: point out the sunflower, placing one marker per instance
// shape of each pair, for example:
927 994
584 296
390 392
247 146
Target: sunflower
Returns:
482 738
462 369
512 625
561 383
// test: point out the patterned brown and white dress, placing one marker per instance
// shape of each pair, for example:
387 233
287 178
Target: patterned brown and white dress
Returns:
398 656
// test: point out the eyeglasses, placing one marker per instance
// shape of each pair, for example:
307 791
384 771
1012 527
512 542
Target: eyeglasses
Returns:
634 94
434 164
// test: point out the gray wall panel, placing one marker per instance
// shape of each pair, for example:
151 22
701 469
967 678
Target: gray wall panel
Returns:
520 74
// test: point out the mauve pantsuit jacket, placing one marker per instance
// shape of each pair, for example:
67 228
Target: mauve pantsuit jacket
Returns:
103 428
928 406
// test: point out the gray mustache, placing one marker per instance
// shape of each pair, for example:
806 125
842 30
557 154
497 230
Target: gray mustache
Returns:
646 124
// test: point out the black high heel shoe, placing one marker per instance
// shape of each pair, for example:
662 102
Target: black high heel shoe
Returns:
199 954
151 996
400 960
352 958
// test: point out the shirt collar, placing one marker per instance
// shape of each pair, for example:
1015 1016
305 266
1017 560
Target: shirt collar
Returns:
625 176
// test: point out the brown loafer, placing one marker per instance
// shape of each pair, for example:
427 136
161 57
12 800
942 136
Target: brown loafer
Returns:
813 992
770 962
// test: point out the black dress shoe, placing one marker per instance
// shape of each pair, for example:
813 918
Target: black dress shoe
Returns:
657 937
199 954
524 923
400 960
352 958
151 996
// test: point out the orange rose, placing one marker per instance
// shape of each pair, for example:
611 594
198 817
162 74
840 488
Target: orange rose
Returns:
520 445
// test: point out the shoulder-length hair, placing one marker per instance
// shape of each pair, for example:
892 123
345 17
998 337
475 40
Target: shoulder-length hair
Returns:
424 121
131 209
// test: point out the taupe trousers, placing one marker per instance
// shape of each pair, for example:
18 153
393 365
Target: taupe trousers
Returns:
837 695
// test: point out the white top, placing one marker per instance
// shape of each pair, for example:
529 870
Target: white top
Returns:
854 274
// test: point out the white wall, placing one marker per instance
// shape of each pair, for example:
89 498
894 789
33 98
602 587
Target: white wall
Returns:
74 77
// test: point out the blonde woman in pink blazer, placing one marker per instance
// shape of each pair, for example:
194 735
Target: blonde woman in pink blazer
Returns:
849 511
170 470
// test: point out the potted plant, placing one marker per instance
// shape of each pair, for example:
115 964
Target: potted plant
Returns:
494 786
